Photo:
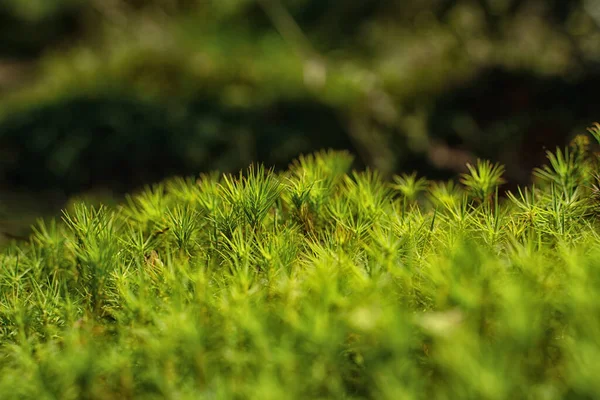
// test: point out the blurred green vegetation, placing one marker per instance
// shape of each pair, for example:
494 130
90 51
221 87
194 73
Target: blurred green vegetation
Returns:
118 93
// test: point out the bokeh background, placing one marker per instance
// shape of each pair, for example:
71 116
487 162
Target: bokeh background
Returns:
100 97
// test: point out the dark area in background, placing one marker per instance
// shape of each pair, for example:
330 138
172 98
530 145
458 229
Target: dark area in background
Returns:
79 114
519 116
120 143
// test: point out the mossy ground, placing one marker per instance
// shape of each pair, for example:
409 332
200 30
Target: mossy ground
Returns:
316 282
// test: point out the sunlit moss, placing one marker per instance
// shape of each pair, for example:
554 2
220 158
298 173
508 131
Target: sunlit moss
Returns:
316 282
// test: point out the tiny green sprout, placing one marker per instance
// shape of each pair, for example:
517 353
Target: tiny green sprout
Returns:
252 195
330 166
183 223
483 179
409 186
446 194
565 170
595 131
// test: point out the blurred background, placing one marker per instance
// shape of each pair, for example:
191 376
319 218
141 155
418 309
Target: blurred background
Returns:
100 97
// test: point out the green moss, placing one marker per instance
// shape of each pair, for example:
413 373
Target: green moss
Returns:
316 282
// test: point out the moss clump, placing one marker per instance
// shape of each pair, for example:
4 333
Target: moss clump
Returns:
316 282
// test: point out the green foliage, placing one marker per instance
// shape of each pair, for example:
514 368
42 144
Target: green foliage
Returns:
252 196
595 131
316 282
483 179
409 185
564 170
